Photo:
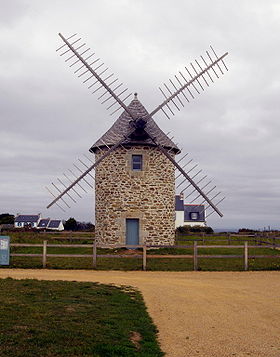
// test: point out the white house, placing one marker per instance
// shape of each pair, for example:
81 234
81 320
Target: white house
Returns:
27 220
43 223
188 215
56 225
51 224
36 221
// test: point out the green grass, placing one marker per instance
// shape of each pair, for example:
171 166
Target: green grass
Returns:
221 264
223 239
58 318
37 237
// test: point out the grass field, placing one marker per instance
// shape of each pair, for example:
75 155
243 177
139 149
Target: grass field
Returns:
166 264
59 318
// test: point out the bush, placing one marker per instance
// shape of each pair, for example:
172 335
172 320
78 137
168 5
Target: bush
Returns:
194 229
246 230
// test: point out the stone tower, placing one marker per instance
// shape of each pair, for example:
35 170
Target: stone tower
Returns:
134 185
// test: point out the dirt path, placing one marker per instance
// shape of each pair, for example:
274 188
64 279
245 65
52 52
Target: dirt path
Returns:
199 313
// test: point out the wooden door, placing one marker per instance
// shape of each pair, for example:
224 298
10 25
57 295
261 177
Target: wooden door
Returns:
132 231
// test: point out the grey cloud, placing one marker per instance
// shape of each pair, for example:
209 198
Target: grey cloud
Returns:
12 12
49 119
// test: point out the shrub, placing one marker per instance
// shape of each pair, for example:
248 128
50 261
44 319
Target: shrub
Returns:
194 229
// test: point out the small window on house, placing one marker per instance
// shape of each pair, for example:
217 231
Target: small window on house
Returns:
194 215
137 162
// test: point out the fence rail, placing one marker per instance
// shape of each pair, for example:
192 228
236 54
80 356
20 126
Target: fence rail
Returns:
143 255
231 238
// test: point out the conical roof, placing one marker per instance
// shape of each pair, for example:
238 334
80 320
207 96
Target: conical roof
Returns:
122 127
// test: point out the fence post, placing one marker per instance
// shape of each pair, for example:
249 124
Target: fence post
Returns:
228 237
144 257
94 255
195 255
245 256
45 242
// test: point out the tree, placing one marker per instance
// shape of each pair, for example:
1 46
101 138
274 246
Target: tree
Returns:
71 224
85 226
6 218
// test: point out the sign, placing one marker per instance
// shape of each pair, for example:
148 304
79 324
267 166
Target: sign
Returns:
4 250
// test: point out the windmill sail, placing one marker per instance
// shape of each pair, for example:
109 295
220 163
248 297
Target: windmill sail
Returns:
120 135
94 74
136 125
188 82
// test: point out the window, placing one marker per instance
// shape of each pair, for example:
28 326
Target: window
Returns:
137 162
194 215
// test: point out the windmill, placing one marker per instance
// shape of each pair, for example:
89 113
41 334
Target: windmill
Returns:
135 161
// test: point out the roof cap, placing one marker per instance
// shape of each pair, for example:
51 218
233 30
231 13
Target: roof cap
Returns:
122 128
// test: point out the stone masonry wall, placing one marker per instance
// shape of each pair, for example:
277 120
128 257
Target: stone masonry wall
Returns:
147 195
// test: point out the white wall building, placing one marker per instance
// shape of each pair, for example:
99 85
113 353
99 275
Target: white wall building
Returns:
35 221
27 220
188 215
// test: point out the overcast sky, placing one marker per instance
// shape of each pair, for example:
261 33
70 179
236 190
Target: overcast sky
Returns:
49 119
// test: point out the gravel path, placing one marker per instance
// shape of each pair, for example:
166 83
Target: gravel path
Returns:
207 314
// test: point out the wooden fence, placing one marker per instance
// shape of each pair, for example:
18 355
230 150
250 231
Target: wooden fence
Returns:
231 238
143 254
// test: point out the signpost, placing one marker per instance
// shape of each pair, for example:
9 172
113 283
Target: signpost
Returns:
4 250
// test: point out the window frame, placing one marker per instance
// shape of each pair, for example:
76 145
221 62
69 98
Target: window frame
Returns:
137 162
194 214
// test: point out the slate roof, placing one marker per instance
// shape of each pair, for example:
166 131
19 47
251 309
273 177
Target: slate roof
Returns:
54 223
27 218
43 223
188 209
122 127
